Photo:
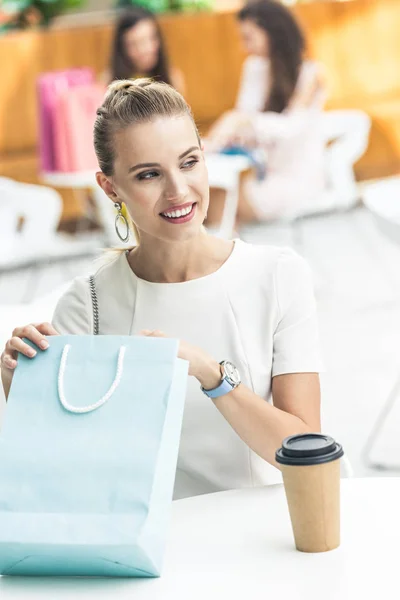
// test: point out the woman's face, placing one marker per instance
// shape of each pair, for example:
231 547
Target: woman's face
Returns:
142 45
160 174
255 39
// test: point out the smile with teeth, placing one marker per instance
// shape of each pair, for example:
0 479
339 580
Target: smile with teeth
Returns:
175 214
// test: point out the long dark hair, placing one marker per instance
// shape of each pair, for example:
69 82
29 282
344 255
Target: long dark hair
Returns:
287 46
121 66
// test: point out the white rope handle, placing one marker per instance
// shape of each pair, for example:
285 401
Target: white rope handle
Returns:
103 400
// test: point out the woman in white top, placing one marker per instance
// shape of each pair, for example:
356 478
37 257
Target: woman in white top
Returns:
250 305
277 111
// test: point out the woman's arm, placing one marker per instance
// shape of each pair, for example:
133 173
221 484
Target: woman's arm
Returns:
311 89
260 425
255 85
263 427
295 366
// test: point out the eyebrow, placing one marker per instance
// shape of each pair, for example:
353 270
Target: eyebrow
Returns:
149 165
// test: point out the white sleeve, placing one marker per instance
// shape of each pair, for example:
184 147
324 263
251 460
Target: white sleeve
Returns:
73 313
296 340
254 86
311 76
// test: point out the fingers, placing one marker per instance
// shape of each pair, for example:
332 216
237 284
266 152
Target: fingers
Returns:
152 333
33 333
7 361
15 345
10 354
46 329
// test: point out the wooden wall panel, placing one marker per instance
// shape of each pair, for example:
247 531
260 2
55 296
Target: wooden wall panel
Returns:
207 49
359 45
357 41
23 56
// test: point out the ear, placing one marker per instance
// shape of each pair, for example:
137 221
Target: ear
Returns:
106 185
202 145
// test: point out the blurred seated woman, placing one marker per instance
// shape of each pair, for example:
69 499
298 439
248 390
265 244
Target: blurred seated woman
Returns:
139 51
275 120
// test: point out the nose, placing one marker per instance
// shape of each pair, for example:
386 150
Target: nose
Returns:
176 188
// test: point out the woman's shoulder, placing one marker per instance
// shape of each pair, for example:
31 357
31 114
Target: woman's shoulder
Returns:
275 270
268 257
110 267
71 315
312 71
106 270
74 313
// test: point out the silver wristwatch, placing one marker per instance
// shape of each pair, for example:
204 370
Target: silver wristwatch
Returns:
230 379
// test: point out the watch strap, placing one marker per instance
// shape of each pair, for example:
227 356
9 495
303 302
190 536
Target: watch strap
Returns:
224 388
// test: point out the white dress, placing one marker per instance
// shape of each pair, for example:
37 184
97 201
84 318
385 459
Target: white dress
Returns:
293 142
257 310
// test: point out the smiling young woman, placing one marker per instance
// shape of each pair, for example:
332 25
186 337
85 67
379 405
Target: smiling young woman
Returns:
245 314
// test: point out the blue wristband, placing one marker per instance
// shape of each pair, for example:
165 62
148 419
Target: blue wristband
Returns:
224 388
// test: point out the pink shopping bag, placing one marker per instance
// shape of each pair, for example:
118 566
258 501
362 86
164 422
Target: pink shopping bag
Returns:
75 114
49 88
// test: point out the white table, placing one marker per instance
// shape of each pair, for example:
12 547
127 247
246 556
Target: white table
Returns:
224 172
239 545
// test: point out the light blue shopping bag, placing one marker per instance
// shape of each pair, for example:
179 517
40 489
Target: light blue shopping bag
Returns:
88 454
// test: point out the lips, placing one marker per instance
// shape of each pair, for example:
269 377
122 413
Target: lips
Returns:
178 211
180 214
173 214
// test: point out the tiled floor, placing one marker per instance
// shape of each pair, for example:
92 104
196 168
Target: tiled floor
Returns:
357 278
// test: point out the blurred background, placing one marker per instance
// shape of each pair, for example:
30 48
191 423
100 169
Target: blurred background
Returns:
54 221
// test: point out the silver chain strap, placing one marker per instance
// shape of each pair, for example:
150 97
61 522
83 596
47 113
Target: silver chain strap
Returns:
95 305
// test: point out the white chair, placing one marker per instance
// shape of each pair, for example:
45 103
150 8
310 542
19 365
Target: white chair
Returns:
36 240
105 212
346 133
383 200
29 215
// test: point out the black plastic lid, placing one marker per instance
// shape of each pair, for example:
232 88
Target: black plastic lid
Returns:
308 449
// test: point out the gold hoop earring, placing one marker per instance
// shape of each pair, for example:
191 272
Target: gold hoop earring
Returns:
120 217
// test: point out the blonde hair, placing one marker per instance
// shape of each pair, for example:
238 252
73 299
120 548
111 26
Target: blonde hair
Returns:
128 102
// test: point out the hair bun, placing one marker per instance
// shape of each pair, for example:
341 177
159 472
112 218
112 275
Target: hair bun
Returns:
127 85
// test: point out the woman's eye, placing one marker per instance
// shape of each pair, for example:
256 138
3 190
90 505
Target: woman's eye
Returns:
190 163
147 175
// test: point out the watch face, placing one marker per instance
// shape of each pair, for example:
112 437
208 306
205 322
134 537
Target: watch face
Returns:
231 373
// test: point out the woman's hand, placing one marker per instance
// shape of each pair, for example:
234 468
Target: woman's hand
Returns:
234 128
35 333
202 366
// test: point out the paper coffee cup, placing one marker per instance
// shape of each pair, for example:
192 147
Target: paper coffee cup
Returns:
310 465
